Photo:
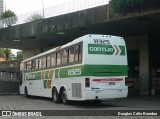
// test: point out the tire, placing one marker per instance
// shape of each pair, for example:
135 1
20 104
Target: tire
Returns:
64 97
55 96
26 92
97 101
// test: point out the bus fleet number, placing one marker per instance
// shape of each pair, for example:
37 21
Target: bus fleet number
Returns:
73 72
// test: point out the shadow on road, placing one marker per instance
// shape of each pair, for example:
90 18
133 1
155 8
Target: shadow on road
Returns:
81 104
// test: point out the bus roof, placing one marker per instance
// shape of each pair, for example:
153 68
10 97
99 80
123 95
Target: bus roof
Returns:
75 41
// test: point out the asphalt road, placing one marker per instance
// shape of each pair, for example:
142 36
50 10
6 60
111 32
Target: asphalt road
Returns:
20 102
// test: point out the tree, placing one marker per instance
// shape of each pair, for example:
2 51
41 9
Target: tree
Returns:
8 14
20 55
34 17
7 53
125 6
2 55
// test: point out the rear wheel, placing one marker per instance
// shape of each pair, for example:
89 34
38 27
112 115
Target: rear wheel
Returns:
64 96
55 96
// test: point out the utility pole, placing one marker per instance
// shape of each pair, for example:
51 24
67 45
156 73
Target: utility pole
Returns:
43 8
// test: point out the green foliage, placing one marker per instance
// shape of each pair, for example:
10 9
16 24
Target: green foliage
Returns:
123 6
7 14
34 17
2 53
7 53
20 55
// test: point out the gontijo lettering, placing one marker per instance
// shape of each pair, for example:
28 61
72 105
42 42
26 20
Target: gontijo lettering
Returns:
103 49
106 49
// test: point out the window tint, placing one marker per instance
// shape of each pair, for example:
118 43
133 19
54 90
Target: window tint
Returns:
44 62
58 58
53 61
29 65
37 63
71 54
40 63
65 57
48 60
78 53
33 64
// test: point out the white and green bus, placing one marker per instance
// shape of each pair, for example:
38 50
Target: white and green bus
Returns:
92 67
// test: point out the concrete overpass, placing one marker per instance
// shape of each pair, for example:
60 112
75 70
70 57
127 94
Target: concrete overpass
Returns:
64 28
140 29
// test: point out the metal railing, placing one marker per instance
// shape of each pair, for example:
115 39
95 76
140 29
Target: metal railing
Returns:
56 10
8 76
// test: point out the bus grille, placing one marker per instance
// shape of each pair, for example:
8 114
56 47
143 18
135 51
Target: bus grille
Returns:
76 90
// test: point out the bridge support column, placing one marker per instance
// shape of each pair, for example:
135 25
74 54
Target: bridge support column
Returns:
144 65
31 52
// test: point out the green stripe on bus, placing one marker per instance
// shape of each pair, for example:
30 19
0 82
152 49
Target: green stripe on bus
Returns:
47 74
122 50
33 76
45 84
83 70
37 75
92 70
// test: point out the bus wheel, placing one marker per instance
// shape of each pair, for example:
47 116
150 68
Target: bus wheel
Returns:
64 96
26 92
97 101
55 96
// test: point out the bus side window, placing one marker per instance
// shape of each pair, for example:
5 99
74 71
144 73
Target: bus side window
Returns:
71 54
53 61
33 64
78 53
40 63
65 57
44 62
37 63
48 60
58 58
29 65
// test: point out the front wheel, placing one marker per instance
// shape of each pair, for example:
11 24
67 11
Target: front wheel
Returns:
26 92
97 101
64 97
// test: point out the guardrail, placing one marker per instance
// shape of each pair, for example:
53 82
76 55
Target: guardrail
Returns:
9 76
56 10
9 70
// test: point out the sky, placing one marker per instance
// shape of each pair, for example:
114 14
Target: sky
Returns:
20 7
24 6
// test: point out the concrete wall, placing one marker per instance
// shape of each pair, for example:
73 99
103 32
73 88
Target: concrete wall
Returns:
32 52
7 87
142 44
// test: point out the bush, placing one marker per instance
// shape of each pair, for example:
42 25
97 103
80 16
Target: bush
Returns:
123 6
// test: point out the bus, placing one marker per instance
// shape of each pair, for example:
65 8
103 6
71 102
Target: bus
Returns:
92 68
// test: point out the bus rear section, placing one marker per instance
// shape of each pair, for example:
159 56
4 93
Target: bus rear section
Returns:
105 67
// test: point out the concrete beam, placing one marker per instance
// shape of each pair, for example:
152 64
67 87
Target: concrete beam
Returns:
144 66
98 20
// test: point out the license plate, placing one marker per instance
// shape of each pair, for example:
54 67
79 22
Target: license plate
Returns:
111 83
